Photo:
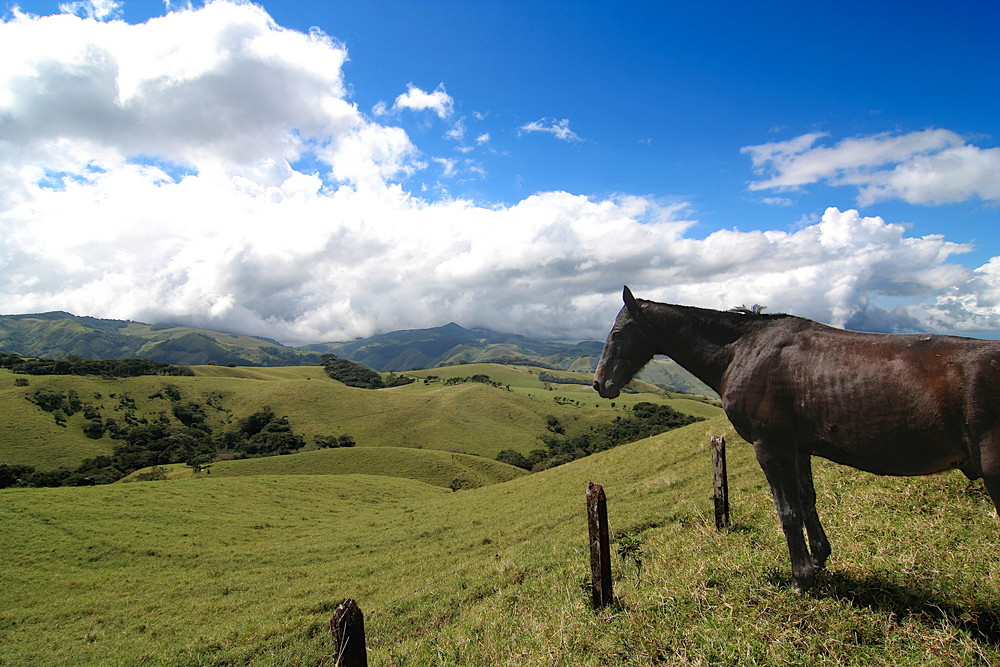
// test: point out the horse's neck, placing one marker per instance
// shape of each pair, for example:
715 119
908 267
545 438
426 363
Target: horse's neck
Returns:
696 338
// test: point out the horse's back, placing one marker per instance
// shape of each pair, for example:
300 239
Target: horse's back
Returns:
903 405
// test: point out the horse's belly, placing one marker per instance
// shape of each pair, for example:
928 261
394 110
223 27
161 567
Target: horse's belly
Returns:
875 434
889 448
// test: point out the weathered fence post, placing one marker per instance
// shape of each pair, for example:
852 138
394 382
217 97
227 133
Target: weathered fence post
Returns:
720 482
600 545
348 629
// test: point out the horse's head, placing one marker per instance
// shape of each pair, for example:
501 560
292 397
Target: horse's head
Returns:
627 349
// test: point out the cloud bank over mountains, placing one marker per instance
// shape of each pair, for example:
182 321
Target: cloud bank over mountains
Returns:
209 167
926 167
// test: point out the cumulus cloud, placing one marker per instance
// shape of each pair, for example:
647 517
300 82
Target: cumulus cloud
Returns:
222 86
415 99
102 10
927 167
557 128
153 172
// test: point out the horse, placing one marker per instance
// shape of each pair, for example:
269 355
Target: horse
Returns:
888 404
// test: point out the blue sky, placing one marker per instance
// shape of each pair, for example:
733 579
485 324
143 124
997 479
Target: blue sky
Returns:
664 94
505 164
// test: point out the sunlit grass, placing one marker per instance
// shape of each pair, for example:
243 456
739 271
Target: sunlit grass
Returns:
472 418
445 469
248 569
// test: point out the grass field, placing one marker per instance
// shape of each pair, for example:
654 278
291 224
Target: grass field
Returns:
433 467
247 569
472 417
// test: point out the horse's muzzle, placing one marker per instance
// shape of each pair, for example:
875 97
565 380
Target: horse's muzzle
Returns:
606 390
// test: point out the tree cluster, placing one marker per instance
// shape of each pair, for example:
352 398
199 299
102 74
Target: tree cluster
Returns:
481 378
557 379
647 419
73 365
157 440
355 375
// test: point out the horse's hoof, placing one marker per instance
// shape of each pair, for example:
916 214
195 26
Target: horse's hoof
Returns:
804 583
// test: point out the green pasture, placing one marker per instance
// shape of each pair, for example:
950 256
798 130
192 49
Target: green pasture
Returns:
434 467
226 570
471 418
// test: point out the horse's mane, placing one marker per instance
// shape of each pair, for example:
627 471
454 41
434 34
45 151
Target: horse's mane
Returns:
755 309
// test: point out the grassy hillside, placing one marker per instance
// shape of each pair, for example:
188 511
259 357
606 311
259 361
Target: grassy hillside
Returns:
246 570
433 467
58 334
469 417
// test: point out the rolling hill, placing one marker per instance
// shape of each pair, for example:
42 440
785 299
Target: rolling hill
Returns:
435 412
247 569
453 344
56 335
435 467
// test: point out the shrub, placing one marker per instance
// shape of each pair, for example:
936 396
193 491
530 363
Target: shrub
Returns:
94 428
514 458
155 473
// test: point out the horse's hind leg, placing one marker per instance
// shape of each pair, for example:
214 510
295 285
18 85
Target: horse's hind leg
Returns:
781 470
819 545
989 461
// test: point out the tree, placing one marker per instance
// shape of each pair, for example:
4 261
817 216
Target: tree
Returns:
514 458
93 428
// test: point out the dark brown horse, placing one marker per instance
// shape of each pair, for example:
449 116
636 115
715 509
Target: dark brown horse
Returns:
888 404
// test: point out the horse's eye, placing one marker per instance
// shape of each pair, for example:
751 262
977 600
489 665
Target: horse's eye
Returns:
615 335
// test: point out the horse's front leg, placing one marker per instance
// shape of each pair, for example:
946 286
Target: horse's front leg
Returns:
781 469
819 545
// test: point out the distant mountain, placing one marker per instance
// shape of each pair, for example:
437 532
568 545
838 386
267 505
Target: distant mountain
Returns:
453 344
59 334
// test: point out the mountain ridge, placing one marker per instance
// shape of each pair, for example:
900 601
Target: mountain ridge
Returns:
59 334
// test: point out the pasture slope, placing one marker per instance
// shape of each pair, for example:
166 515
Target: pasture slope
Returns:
469 417
220 570
446 469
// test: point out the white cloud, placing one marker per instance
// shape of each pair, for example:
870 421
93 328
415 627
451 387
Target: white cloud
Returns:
101 10
222 87
415 99
557 128
146 172
926 167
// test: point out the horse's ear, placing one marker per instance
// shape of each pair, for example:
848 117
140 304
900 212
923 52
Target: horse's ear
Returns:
630 302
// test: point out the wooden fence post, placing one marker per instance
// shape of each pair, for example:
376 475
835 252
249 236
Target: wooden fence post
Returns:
348 629
720 482
600 545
